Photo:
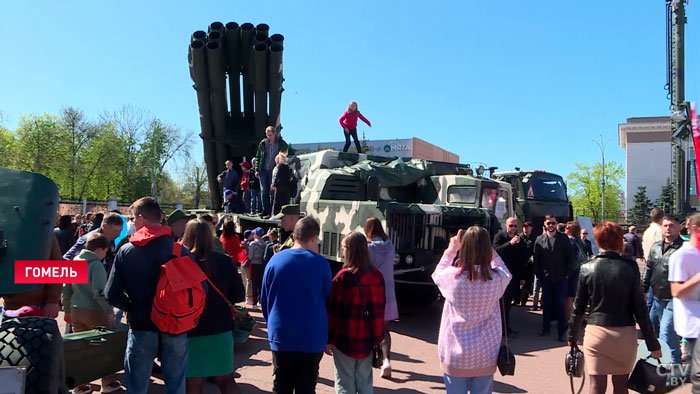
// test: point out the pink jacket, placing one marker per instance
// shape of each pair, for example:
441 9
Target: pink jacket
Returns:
470 328
349 120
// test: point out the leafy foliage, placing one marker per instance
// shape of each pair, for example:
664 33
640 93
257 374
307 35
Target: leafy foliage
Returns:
122 154
585 189
665 200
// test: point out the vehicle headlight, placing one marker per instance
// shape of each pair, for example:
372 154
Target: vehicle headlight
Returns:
409 259
397 258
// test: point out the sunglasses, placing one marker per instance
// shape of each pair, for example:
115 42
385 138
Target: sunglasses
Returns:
551 223
512 225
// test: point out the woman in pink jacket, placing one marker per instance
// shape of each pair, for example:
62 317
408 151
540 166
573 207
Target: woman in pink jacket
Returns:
348 121
472 278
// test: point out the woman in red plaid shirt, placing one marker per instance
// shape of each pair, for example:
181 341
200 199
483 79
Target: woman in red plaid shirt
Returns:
352 333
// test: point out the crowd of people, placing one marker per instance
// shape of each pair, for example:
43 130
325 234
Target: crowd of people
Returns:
309 312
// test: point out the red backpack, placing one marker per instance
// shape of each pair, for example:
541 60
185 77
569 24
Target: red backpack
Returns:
179 299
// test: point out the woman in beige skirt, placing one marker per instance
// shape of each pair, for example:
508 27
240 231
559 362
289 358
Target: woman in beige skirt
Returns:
612 286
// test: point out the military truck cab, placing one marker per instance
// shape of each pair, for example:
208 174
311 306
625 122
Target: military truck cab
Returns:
536 194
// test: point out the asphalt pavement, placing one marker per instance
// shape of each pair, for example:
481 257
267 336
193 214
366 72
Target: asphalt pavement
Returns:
416 369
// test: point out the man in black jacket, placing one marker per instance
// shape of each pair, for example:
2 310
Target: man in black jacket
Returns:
656 277
513 251
554 259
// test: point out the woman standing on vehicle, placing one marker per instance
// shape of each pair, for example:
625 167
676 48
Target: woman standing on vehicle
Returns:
472 278
612 286
210 344
348 121
355 317
381 253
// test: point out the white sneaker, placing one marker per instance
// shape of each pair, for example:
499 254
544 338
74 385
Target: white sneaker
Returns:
386 369
112 387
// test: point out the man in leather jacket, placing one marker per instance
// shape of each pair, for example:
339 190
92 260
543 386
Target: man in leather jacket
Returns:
554 258
513 251
656 277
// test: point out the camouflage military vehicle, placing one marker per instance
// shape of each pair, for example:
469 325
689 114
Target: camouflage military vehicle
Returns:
420 203
536 194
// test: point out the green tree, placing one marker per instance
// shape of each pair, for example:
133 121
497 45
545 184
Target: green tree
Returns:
194 184
76 133
639 213
162 144
585 191
665 200
7 147
36 138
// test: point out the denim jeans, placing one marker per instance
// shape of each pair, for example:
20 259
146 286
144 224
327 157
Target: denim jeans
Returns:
666 331
475 385
255 201
352 375
654 314
265 183
142 348
554 299
536 288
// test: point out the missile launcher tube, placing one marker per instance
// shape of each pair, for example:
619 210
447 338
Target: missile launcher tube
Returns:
200 77
247 34
233 43
217 94
261 32
260 84
275 83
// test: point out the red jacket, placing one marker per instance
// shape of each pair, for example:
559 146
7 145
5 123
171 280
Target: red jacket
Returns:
348 327
245 184
349 120
233 248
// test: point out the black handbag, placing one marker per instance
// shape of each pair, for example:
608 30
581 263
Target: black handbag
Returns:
574 365
647 378
506 358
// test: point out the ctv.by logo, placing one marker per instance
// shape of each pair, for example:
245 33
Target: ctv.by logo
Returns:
676 374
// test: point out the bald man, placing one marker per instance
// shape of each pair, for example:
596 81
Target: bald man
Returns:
513 251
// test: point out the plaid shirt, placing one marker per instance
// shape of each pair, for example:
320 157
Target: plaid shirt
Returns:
348 328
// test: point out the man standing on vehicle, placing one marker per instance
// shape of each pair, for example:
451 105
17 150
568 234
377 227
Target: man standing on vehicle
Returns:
656 277
554 258
296 286
513 251
289 215
131 287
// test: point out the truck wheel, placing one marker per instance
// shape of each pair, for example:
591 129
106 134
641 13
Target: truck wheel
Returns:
34 343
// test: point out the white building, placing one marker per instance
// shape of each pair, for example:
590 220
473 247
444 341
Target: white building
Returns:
648 156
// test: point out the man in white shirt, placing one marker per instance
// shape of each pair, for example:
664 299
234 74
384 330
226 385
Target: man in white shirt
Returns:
653 234
684 276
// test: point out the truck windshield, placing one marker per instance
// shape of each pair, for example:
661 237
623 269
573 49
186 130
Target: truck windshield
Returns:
544 187
461 194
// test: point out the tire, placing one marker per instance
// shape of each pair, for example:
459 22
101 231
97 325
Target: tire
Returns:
34 343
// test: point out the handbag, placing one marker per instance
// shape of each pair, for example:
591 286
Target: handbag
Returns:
647 378
506 358
574 364
377 353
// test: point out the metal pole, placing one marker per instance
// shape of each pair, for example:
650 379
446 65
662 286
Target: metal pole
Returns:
676 83
602 146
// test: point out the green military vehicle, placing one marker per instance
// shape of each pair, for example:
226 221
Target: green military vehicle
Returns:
536 194
420 203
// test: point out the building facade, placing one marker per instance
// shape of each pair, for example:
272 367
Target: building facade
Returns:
648 156
414 148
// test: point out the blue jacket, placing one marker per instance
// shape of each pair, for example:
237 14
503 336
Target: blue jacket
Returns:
296 285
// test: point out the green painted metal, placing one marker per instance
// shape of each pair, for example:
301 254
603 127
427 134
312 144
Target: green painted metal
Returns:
217 94
260 84
275 81
200 77
247 34
28 205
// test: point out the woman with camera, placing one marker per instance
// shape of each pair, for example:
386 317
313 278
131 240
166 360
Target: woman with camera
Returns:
472 278
611 284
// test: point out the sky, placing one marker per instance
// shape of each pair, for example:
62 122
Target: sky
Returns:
508 83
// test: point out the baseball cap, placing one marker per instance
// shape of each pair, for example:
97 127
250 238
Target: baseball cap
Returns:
289 209
259 231
245 165
247 233
527 224
176 215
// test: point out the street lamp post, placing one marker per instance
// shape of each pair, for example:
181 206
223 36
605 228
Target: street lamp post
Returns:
602 146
